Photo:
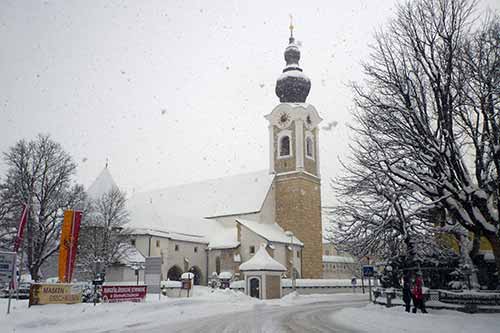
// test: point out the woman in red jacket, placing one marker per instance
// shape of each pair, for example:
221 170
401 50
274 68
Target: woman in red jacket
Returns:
417 295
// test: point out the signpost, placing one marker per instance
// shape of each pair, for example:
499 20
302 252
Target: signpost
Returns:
113 294
368 271
55 293
152 275
187 281
8 272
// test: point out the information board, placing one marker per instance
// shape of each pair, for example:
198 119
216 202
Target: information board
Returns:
152 274
114 294
7 266
55 293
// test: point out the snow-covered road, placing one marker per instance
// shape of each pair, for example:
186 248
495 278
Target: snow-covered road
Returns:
306 317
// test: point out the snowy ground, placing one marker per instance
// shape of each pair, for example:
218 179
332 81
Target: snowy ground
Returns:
230 311
372 318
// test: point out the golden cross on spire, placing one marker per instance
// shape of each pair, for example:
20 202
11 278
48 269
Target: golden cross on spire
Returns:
291 25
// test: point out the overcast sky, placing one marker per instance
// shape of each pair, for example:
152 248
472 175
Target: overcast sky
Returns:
175 91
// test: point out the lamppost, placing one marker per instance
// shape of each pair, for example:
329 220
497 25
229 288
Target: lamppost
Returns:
290 234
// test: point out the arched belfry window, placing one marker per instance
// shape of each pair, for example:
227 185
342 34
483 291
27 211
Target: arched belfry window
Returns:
284 142
285 146
309 147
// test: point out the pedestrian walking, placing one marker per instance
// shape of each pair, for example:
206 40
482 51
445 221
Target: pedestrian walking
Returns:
407 297
417 295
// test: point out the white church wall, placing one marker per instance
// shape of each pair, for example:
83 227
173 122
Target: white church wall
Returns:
185 255
226 259
141 243
163 247
267 213
280 254
249 239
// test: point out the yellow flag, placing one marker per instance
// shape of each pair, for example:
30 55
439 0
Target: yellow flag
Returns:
65 245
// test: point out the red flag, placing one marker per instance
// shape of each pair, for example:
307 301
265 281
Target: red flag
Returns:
20 229
75 230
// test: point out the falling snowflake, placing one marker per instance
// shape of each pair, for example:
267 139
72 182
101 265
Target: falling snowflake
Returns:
330 125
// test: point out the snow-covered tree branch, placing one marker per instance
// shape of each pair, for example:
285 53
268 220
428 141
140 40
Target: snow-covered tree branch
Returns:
428 116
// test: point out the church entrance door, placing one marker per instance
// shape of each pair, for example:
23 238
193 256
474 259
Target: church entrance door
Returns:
174 273
255 287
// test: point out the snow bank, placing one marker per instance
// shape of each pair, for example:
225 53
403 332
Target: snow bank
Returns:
321 282
375 318
85 317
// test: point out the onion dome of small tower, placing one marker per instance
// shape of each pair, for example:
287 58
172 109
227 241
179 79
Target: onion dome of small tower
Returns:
293 85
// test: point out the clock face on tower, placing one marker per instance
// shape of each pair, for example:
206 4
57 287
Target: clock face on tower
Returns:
284 120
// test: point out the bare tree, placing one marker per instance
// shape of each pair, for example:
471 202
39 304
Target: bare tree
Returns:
375 216
428 113
39 174
103 235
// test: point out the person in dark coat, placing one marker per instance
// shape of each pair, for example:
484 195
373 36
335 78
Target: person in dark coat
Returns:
407 293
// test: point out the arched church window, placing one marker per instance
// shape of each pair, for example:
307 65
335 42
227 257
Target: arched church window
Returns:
309 147
285 146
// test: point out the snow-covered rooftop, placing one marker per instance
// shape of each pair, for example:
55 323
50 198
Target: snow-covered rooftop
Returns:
170 234
269 231
239 194
180 209
102 185
340 259
222 236
130 255
262 261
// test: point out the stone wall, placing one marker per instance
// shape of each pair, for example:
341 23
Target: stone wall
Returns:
273 287
298 208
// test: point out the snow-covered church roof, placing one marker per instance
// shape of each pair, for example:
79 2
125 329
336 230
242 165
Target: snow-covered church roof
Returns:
239 194
269 231
187 208
103 184
262 261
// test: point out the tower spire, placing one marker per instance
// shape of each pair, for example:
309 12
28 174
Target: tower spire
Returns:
291 39
293 85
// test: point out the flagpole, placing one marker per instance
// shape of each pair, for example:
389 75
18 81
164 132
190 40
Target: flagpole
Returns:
69 261
19 243
21 265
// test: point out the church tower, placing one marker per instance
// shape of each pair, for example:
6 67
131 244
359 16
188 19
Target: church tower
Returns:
294 159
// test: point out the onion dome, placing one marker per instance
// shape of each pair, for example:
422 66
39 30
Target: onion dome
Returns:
292 86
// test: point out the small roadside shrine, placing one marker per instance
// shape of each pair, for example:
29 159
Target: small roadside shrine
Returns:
262 275
187 281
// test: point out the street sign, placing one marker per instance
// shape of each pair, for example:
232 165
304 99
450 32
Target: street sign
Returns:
368 271
7 266
152 274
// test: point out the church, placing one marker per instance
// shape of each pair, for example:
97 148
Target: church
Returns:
216 225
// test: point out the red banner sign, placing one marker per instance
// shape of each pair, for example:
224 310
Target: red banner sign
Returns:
69 244
20 229
75 231
114 294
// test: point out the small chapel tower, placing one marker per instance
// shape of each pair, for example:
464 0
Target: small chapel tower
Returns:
294 159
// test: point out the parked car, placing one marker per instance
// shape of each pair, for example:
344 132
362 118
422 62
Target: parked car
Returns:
23 290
